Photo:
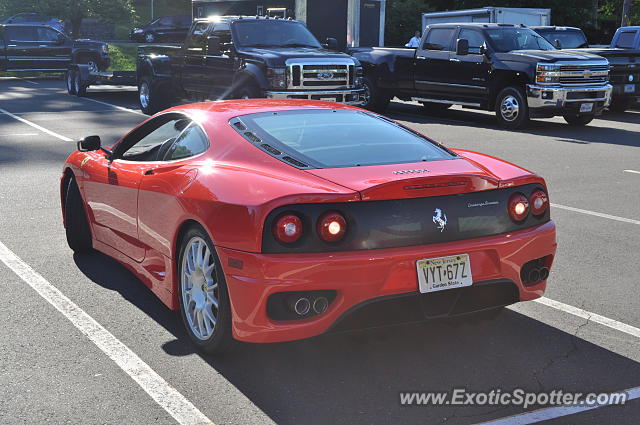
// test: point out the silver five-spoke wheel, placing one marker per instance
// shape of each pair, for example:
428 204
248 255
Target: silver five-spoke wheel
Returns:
144 94
199 287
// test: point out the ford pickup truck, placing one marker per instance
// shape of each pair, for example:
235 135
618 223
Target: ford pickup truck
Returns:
623 55
43 48
246 57
508 69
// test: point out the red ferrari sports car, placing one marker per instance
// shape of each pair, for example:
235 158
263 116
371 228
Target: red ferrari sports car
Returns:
268 221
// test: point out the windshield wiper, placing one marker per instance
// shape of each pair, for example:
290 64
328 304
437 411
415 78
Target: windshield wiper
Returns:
259 45
298 45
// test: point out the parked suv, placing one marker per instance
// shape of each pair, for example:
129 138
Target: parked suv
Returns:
246 57
166 28
42 48
508 69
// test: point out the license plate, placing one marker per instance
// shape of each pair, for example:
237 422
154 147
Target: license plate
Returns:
586 107
437 274
629 88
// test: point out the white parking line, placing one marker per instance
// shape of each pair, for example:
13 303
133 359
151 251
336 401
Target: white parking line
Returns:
592 317
597 214
549 413
133 111
631 171
181 409
36 126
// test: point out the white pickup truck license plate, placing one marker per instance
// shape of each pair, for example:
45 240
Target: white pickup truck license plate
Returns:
437 274
629 88
586 107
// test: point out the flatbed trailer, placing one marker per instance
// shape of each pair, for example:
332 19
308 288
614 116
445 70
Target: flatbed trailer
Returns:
79 77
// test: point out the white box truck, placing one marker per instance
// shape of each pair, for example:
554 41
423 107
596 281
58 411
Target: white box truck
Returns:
495 15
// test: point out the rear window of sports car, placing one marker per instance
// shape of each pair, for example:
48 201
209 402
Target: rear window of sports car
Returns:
336 138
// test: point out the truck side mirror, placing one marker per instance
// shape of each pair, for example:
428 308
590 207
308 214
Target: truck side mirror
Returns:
332 43
557 43
213 46
462 47
483 50
89 143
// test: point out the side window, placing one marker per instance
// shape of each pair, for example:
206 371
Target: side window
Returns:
222 30
197 37
27 33
151 142
475 39
46 34
192 141
438 39
166 21
625 40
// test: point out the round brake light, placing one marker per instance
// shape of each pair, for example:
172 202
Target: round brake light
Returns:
518 207
539 202
288 228
331 227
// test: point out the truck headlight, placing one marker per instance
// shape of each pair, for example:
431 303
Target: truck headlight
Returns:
137 31
277 77
104 48
547 73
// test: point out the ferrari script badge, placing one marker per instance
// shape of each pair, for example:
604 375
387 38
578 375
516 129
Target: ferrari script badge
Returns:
440 219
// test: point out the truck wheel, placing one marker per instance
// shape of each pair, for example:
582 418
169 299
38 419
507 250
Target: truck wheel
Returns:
70 78
578 120
373 98
619 105
511 108
149 37
79 86
153 96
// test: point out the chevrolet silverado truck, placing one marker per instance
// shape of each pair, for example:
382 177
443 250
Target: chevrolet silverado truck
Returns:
508 69
43 48
623 55
246 57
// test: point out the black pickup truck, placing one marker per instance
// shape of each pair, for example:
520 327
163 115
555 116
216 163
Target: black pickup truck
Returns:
623 55
505 68
43 48
246 57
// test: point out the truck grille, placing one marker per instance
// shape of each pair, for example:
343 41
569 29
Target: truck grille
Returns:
320 76
572 75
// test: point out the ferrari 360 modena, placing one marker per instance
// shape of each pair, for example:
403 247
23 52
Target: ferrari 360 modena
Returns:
267 221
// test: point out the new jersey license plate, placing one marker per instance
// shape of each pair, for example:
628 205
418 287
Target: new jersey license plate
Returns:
629 88
437 274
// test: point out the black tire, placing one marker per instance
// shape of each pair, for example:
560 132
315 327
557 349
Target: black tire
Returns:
578 120
619 105
92 61
70 77
158 95
434 107
149 37
80 86
511 108
75 220
221 338
374 98
249 91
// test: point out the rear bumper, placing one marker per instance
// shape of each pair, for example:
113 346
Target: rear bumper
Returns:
544 101
349 97
362 276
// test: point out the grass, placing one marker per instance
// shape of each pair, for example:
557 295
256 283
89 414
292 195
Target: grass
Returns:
123 56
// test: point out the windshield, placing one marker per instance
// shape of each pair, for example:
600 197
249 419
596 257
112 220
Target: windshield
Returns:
508 39
273 33
332 139
567 39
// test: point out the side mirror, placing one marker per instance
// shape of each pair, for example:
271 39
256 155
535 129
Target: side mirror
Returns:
89 143
557 43
60 39
213 46
332 43
462 47
483 50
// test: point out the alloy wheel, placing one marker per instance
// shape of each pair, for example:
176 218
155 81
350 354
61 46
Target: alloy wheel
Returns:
509 108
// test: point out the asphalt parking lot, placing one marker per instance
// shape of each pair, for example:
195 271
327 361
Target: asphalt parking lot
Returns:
584 336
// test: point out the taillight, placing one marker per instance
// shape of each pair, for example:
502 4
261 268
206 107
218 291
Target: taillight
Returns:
331 227
288 228
539 202
518 207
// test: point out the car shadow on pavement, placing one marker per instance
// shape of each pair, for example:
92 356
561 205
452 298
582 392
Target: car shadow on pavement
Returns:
357 376
595 132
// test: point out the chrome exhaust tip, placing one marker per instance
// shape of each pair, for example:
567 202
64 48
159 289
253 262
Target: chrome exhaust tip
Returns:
320 305
544 273
534 275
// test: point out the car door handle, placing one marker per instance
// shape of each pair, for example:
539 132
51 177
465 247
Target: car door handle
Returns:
43 45
421 57
454 60
12 45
